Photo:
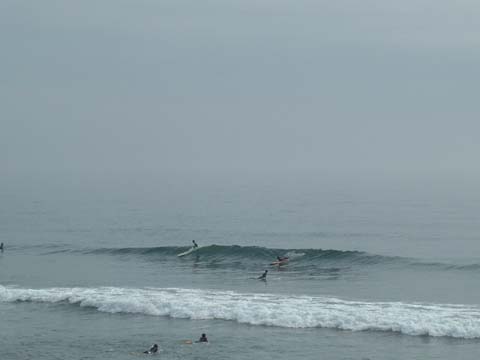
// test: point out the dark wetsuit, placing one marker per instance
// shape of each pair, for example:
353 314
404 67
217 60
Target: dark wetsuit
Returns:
152 350
263 276
203 339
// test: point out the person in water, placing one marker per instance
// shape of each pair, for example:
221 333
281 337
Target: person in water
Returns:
263 276
1 247
153 349
203 338
195 245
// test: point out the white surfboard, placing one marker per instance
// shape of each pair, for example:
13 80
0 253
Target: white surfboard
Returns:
189 251
280 262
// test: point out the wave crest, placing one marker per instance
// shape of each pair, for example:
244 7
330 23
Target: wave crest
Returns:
459 321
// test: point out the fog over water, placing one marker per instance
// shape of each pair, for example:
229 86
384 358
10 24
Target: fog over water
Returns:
273 91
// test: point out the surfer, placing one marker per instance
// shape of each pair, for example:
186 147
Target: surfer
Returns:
263 276
203 338
153 349
1 247
192 249
281 260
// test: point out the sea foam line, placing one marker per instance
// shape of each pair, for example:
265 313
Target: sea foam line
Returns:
459 321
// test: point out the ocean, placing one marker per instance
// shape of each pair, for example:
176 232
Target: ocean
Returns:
371 275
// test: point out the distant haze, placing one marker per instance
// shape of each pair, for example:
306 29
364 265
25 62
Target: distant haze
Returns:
143 89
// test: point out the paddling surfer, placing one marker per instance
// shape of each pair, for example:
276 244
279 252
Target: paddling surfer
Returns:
153 349
203 338
263 276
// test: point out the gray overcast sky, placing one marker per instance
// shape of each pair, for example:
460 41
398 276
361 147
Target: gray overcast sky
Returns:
157 87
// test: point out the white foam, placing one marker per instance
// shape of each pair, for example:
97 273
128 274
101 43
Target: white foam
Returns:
460 321
294 255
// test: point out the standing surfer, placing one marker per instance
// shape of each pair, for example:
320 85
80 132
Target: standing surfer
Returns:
192 249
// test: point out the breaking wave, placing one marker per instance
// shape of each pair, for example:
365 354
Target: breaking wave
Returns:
458 321
235 255
234 252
